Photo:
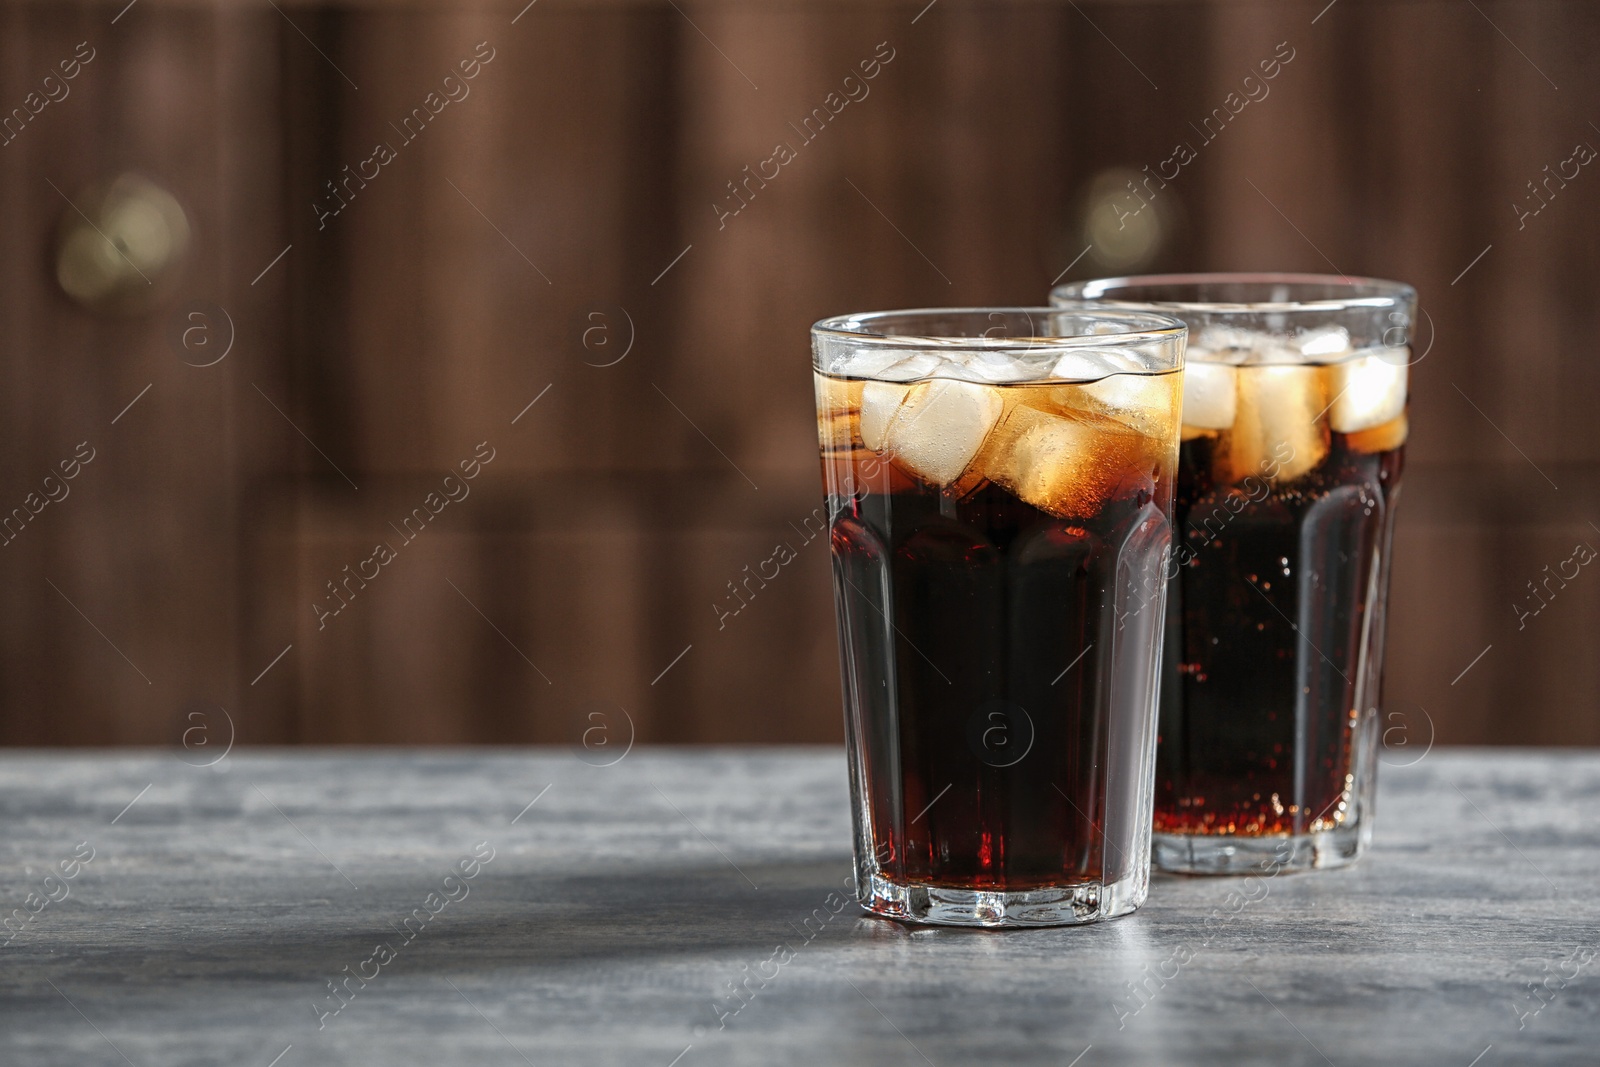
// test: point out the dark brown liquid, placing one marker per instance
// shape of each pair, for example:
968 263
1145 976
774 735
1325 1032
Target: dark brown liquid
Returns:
1003 717
1275 644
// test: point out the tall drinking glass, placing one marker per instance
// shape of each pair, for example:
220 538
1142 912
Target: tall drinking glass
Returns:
1294 427
999 484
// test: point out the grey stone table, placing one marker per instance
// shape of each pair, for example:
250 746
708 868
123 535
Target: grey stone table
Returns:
535 909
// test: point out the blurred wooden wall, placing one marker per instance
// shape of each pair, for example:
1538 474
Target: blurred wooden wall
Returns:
568 201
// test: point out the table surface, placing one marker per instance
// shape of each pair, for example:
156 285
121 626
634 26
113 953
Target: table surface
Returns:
622 902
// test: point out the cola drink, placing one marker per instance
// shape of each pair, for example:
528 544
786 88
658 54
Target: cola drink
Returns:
1000 519
1294 426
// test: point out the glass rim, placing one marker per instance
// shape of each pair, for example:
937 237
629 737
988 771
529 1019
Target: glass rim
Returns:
1365 293
1144 327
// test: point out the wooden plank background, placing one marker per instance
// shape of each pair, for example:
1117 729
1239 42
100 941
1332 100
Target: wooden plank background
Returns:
568 200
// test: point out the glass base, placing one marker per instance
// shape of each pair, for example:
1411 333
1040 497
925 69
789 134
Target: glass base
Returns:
915 902
1232 854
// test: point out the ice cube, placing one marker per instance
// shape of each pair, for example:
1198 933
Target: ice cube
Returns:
1210 394
882 397
864 362
1065 465
910 368
1230 344
1274 352
879 402
1325 344
1090 365
838 412
1147 403
1130 392
1148 359
1002 367
1369 390
1278 430
939 426
1390 435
